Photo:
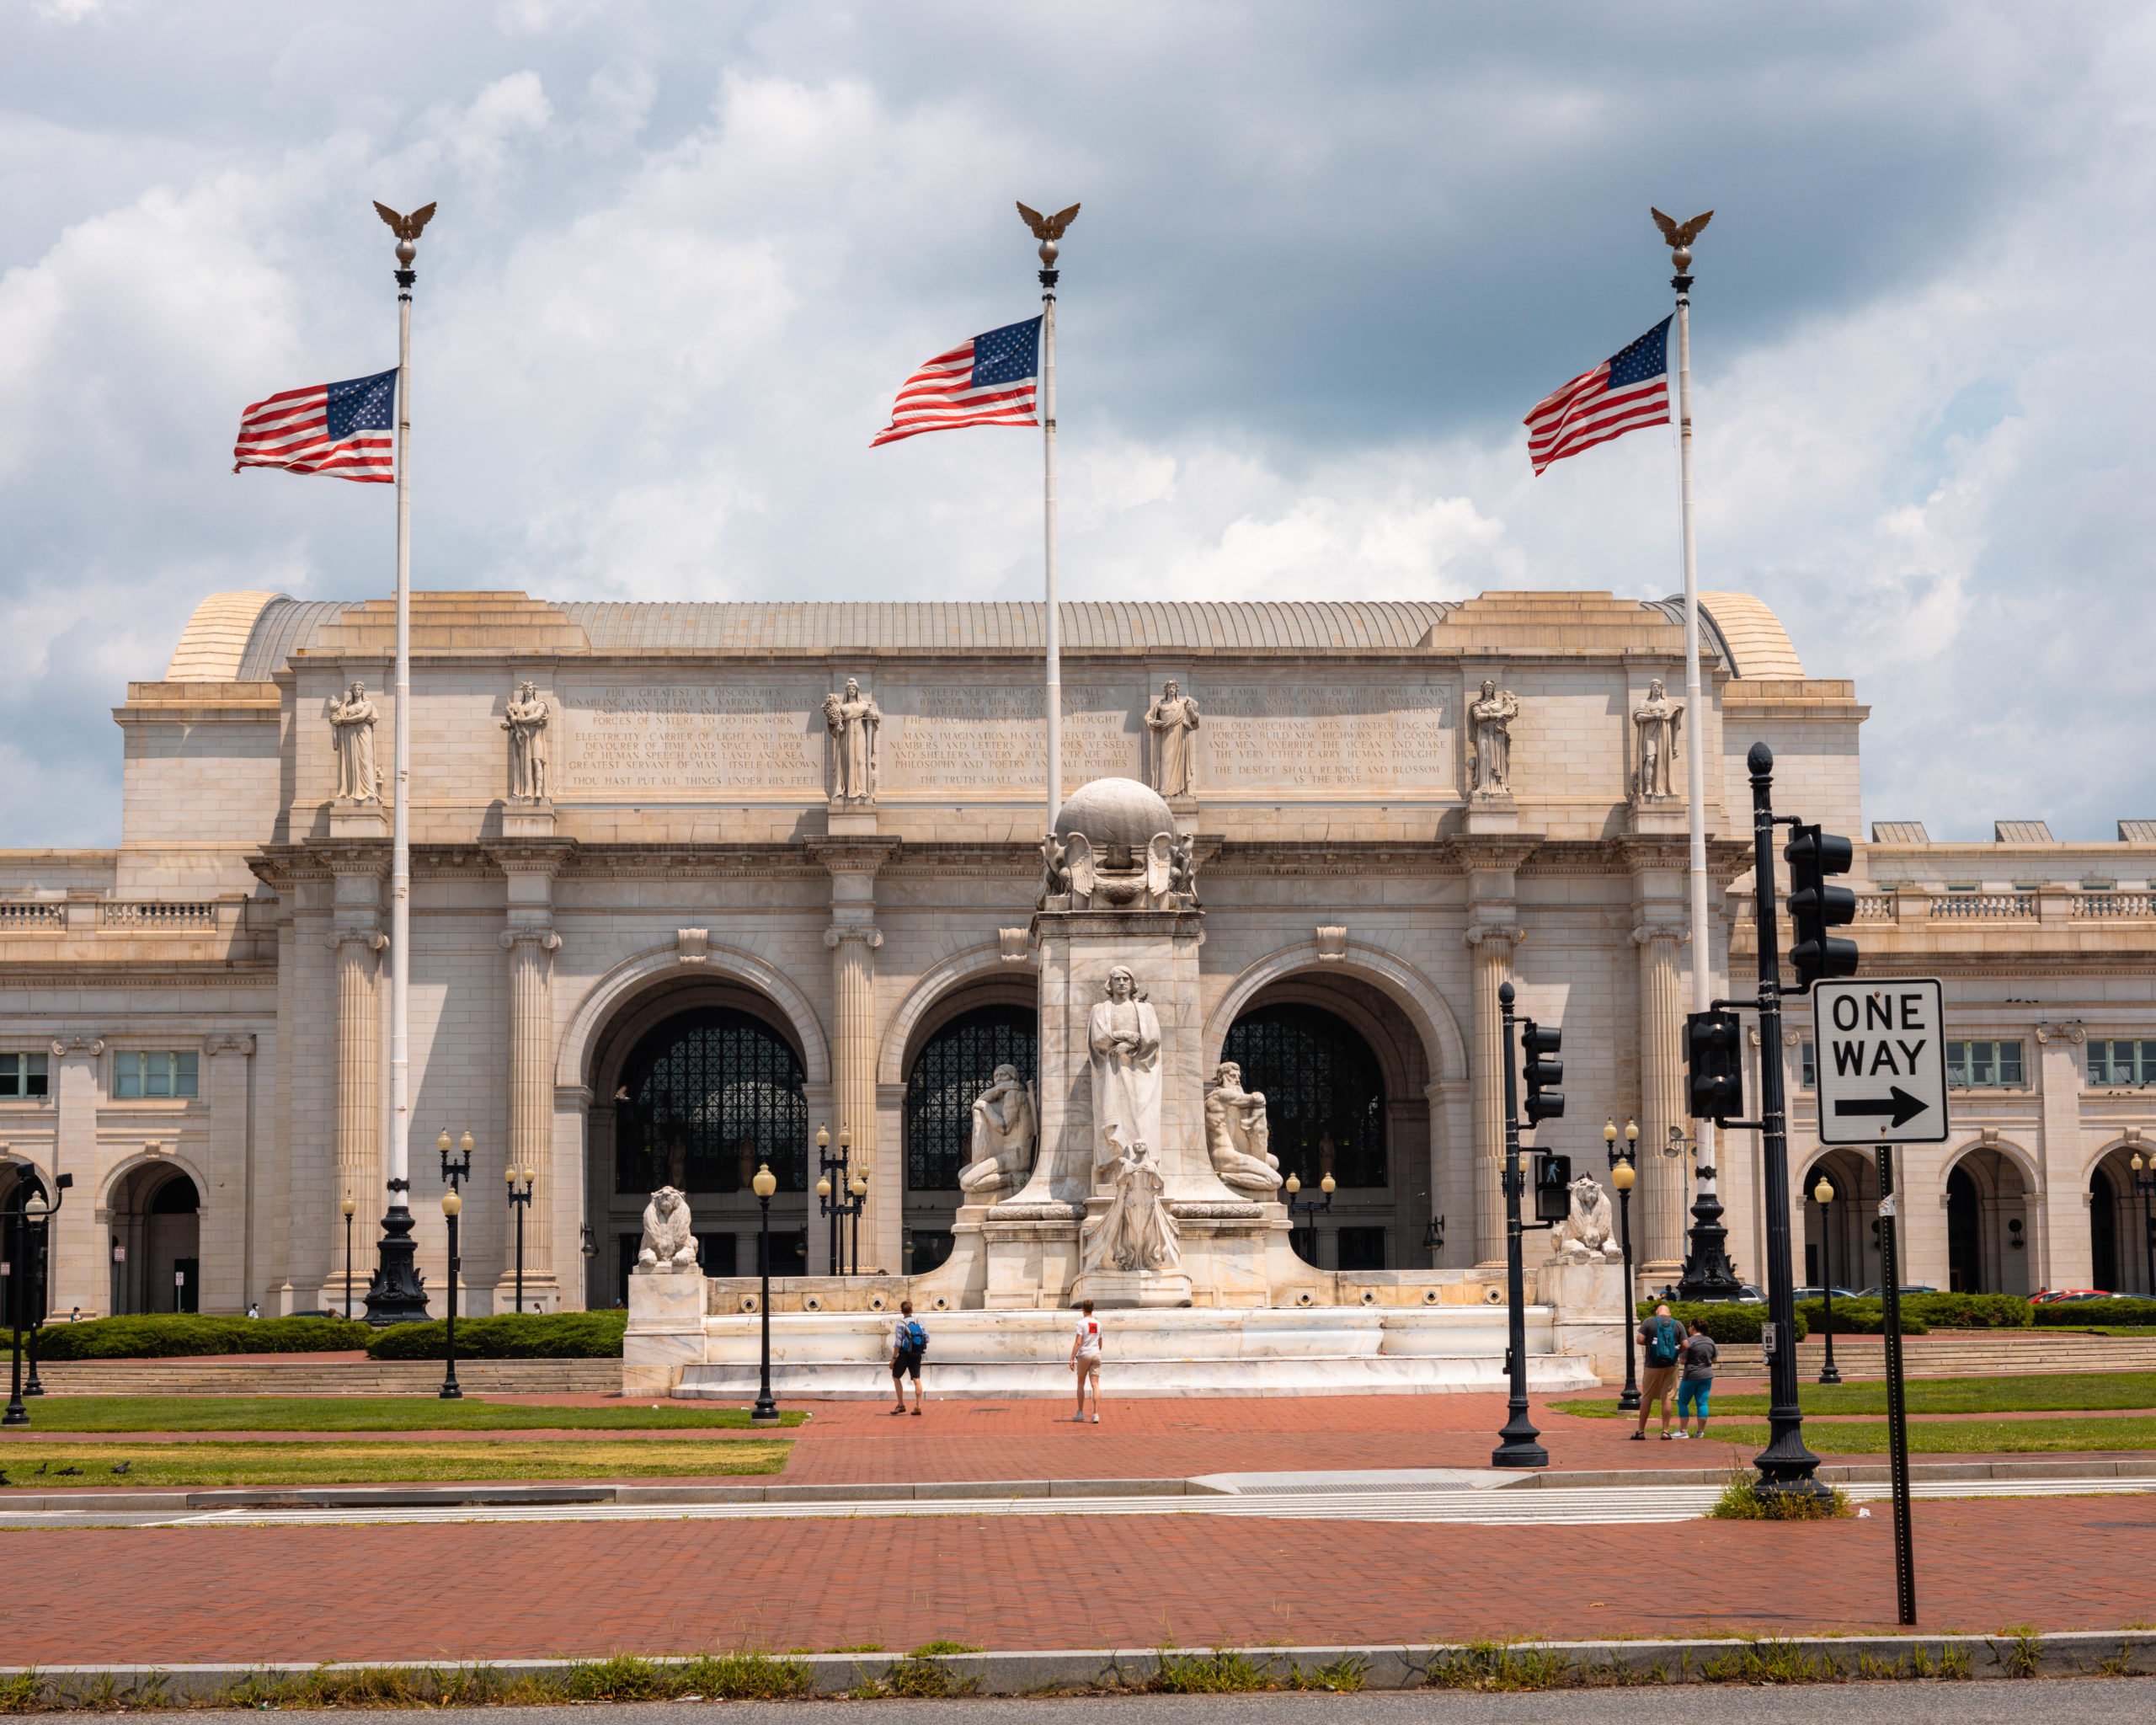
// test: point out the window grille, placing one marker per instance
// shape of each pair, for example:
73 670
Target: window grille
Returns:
955 1066
1324 1093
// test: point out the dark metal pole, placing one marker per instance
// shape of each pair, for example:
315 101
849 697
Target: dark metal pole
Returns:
348 1265
1828 1372
451 1389
1897 1410
2147 1184
1785 1465
16 1414
766 1412
1519 1448
1629 1403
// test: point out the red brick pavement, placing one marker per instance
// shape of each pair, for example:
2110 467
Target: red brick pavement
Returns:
497 1590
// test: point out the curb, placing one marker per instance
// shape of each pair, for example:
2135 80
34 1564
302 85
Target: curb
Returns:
1518 1665
1861 1473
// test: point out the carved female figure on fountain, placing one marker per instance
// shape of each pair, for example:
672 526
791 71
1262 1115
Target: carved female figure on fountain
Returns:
853 720
1172 719
1136 1231
351 721
1123 1032
1237 1137
1006 1126
526 722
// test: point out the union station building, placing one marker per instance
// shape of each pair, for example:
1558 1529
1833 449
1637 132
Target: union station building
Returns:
680 898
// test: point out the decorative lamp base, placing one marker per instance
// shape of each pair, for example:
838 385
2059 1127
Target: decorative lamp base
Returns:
395 1294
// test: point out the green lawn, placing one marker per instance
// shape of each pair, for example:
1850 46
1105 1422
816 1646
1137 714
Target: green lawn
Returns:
1959 1437
366 1413
2092 1390
215 1464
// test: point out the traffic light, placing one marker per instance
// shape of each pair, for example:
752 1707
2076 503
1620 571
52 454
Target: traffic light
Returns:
1540 1043
1714 1069
1815 907
1553 1187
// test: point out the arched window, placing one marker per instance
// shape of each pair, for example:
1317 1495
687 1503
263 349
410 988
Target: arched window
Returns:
955 1066
708 1096
1324 1092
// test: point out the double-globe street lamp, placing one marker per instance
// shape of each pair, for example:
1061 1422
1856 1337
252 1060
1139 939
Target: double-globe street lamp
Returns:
2144 1182
519 1198
846 1196
766 1412
22 1287
455 1170
1823 1194
349 1207
1623 1172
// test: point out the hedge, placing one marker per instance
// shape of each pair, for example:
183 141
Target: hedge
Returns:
173 1335
2073 1314
1967 1311
554 1335
1724 1319
1859 1317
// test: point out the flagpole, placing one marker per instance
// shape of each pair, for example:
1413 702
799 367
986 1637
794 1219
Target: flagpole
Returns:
1696 764
1052 696
396 1296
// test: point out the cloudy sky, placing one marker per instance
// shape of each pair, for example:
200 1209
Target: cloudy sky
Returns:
1329 255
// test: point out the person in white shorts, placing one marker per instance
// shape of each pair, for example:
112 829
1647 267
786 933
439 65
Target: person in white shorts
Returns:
1086 1359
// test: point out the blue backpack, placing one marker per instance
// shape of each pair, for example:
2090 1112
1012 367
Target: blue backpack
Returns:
916 1336
1663 1341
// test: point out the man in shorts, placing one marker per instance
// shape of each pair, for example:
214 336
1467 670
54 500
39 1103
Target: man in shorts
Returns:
907 1347
1662 1337
1086 1359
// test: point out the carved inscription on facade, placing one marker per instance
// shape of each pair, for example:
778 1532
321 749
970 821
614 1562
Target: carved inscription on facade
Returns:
988 737
1328 736
712 737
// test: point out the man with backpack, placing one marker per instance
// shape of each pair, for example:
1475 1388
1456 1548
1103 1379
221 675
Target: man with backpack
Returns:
909 1343
1662 1337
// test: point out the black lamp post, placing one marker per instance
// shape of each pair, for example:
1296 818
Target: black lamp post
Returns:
1622 1174
2144 1182
1823 1194
455 1170
1516 1446
18 1264
1312 1208
349 1207
831 1195
766 1412
519 1198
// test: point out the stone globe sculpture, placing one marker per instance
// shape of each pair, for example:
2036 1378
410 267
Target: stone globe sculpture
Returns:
1115 846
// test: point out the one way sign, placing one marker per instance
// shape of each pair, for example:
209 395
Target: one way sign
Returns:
1881 1058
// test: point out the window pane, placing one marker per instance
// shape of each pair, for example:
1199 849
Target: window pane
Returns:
157 1073
34 1074
1808 1067
2010 1063
1957 1063
2148 1061
1980 1062
185 1068
127 1076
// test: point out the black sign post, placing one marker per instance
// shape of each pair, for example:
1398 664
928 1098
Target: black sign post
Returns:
1897 1410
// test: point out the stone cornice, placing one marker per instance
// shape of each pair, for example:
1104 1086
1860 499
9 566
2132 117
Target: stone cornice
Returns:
531 856
846 853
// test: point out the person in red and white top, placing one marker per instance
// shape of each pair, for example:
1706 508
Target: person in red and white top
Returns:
1086 1359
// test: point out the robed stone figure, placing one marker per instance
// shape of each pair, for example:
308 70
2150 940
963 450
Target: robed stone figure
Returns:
1490 722
853 720
1124 1033
1656 721
526 722
1173 721
351 721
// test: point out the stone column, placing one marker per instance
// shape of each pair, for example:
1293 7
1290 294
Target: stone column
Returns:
228 1281
358 1126
1492 945
853 938
81 1245
528 867
1662 1197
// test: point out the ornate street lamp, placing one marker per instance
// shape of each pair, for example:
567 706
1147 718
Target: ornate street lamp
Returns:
455 1170
1310 1208
766 1412
2145 1184
18 1297
859 1187
1823 1194
520 1199
1622 1174
831 1195
349 1206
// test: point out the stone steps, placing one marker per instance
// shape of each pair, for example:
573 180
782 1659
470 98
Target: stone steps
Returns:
215 1376
1958 1353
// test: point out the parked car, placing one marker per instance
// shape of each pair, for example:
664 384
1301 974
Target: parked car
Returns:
2064 1296
1804 1293
1876 1293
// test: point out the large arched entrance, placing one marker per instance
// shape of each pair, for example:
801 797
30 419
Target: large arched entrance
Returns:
2121 1234
155 1222
1987 1225
29 1283
1344 1076
952 1062
1846 1237
697 1086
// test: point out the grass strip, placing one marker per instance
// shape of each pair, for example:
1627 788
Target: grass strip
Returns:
371 1413
2043 1392
34 1467
1960 1437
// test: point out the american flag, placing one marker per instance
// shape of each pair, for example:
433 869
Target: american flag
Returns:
339 429
1626 391
988 381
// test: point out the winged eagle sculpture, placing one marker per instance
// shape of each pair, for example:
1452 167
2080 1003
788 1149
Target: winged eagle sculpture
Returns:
405 227
1677 234
1049 228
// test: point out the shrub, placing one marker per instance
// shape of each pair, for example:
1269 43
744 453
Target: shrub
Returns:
2074 1314
553 1335
1857 1317
176 1335
1725 1320
1968 1311
1741 1500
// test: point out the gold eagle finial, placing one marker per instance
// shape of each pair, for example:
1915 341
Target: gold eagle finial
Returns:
1680 234
1049 228
405 227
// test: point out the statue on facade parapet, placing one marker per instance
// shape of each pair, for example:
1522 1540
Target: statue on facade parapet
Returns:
1237 1135
351 721
1490 720
853 720
1655 722
526 722
1005 1130
670 1243
1585 1236
1172 719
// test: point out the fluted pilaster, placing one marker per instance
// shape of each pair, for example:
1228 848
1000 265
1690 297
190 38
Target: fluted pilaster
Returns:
1662 1195
359 1067
853 1057
1493 966
531 1095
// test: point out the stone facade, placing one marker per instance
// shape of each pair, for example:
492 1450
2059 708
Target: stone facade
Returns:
690 845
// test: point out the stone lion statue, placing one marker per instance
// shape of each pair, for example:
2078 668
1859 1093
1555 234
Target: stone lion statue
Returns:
1584 1236
668 1242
